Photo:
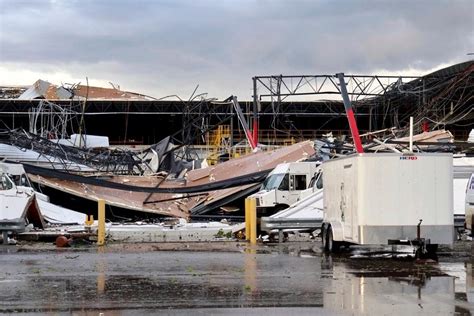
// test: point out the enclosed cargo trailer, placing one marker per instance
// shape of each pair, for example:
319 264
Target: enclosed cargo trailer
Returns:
386 198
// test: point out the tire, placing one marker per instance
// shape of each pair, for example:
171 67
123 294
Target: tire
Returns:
432 251
324 239
332 246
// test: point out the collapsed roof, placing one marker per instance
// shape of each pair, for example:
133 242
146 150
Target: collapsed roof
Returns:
45 90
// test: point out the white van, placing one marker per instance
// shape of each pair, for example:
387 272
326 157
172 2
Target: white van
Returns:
470 203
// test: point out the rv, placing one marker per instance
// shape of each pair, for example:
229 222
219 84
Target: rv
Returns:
470 203
287 184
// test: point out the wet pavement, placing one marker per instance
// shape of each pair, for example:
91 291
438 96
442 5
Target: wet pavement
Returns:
212 280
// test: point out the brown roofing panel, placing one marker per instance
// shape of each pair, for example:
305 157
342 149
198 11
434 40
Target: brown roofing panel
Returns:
177 204
105 93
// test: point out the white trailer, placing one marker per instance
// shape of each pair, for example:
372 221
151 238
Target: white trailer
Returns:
381 198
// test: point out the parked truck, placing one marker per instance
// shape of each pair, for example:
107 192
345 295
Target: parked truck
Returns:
287 184
388 198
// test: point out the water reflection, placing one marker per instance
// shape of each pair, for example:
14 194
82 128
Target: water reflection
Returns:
463 284
250 272
101 268
470 281
385 287
197 280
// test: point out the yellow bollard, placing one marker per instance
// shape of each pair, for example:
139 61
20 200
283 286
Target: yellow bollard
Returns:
247 219
101 228
89 220
253 220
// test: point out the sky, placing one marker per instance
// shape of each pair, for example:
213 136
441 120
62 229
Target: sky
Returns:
165 47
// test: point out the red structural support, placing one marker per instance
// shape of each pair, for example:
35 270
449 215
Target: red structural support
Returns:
350 114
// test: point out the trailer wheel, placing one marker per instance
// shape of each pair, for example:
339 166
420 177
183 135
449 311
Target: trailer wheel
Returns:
432 251
324 239
332 246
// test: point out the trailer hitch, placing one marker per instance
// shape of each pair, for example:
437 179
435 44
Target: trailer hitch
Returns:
421 250
418 230
422 247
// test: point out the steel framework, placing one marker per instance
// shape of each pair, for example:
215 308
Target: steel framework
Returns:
438 100
281 91
278 88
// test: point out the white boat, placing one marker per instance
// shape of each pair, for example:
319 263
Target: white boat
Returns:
463 167
16 191
303 215
28 156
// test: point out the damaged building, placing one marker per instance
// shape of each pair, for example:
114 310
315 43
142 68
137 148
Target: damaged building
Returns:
198 158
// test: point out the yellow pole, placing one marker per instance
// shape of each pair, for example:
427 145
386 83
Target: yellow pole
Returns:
101 228
253 220
247 219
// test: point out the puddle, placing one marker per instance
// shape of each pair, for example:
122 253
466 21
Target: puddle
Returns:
294 278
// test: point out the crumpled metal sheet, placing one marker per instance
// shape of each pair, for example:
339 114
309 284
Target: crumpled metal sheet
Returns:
44 90
99 93
180 205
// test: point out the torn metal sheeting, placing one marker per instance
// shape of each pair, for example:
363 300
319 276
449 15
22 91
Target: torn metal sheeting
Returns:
99 93
433 139
17 209
240 167
44 90
172 187
252 162
218 199
441 136
55 214
260 160
118 198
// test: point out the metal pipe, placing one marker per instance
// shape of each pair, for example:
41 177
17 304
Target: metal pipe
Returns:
350 114
255 113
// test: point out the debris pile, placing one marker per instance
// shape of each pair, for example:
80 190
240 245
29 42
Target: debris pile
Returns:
177 178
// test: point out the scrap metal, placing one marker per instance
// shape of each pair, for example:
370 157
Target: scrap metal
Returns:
166 198
104 160
439 99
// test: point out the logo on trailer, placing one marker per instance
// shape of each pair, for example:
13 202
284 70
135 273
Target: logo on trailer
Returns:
408 158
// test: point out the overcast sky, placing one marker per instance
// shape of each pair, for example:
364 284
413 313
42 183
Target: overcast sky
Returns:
168 47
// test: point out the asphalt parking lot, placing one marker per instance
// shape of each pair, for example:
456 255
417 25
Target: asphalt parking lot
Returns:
230 278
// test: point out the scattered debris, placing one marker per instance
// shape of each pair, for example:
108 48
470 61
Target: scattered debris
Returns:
172 178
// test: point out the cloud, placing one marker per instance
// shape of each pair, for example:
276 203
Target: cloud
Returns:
167 47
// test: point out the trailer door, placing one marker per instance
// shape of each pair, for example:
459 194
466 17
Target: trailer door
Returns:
347 188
